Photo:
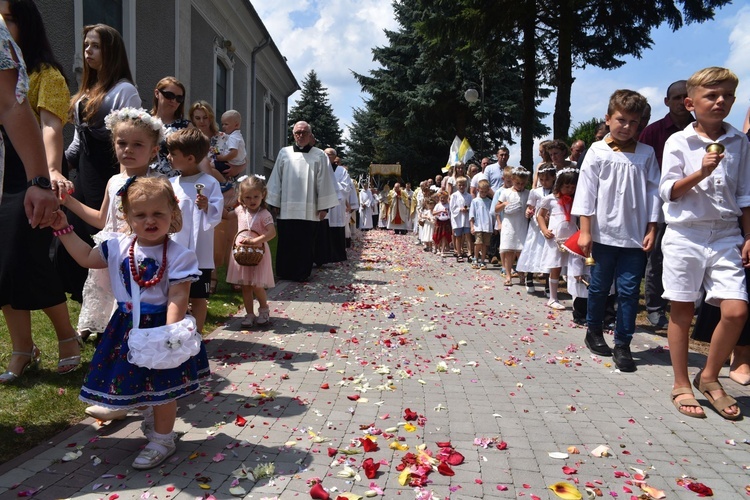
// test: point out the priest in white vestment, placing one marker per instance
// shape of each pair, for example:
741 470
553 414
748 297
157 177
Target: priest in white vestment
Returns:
301 188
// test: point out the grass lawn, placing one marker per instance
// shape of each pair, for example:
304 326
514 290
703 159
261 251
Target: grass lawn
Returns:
42 403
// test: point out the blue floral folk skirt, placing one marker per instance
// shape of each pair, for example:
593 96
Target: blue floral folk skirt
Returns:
115 383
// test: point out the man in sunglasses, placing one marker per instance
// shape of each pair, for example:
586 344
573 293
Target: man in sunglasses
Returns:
301 189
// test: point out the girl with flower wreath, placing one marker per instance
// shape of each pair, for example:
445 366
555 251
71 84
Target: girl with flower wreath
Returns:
135 136
162 270
106 85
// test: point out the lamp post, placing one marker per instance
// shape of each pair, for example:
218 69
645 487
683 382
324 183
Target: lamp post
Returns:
472 95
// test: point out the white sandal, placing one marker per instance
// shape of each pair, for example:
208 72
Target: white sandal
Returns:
155 453
555 305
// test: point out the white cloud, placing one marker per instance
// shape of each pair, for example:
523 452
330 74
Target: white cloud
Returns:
334 38
738 60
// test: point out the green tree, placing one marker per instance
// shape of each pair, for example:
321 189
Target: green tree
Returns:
557 36
361 146
417 94
313 108
585 131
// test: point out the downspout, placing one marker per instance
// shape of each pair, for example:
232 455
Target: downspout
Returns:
253 127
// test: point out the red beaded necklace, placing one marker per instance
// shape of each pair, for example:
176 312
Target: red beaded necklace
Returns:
137 277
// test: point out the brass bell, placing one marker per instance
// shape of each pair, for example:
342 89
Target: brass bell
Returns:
715 147
590 261
199 188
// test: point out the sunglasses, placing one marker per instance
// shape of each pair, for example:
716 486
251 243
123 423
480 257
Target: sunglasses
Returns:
171 96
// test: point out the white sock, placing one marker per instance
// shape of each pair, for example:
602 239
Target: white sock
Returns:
553 290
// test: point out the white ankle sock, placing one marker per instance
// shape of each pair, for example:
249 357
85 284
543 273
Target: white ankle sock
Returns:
553 289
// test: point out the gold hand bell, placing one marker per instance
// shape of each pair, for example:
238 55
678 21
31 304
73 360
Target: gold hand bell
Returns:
715 147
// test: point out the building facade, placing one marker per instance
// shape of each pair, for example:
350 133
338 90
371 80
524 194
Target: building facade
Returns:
219 49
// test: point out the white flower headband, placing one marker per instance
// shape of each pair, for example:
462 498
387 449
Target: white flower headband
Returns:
257 176
567 170
124 114
548 168
519 171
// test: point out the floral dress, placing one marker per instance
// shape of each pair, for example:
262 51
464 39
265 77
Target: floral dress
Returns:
112 381
162 164
7 49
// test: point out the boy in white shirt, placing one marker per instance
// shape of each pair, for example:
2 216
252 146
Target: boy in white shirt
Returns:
618 204
459 206
705 185
482 223
233 154
201 203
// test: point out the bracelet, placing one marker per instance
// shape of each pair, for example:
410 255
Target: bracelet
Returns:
65 230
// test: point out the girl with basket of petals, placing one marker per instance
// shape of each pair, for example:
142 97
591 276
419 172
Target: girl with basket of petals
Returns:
255 229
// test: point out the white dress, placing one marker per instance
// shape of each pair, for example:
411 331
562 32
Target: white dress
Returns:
552 257
366 205
515 224
427 229
530 259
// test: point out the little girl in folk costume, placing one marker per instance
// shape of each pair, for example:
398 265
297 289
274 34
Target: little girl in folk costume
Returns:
162 270
253 215
443 233
560 227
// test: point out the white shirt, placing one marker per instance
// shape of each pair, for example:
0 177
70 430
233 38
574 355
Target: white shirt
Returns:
494 175
619 191
481 212
301 184
337 216
197 231
475 181
721 195
235 141
458 201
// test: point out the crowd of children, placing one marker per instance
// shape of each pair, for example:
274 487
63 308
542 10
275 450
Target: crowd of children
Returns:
615 195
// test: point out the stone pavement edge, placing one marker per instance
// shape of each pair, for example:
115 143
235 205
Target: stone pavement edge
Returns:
448 383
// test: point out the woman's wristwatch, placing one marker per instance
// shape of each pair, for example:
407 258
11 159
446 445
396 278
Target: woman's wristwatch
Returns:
40 182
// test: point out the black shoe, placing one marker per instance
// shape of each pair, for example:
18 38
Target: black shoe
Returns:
658 319
596 343
623 358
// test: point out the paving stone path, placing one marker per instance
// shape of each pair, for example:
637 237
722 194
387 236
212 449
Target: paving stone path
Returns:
483 372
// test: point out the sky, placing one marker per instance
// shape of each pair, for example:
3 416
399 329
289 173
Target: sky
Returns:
336 37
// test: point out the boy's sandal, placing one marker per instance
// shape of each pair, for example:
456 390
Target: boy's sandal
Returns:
508 283
690 402
459 259
719 404
475 266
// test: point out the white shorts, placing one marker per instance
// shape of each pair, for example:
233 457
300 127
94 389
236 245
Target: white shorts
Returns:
703 256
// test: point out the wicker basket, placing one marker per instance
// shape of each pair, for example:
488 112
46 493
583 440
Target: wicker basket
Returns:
247 255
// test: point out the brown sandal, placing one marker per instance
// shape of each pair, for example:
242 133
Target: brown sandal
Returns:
719 404
690 402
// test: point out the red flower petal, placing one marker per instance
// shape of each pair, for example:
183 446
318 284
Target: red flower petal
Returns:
569 470
354 397
319 493
332 452
410 415
445 470
240 421
455 458
444 444
324 386
368 444
502 445
370 467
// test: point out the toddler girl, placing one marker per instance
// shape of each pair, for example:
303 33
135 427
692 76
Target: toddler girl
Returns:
253 215
163 271
560 228
512 203
427 224
442 235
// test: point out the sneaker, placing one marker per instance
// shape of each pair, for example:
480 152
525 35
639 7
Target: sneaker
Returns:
263 315
530 288
248 321
658 319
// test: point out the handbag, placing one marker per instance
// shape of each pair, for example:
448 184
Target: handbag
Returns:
161 347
